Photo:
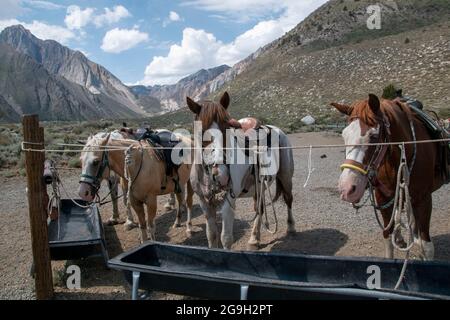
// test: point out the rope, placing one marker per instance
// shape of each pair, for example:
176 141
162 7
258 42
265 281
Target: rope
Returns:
310 169
300 147
261 196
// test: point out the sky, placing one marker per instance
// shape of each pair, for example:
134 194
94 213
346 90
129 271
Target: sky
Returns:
152 42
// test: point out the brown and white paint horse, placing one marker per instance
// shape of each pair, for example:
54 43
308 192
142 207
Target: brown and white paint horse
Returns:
147 172
214 116
374 120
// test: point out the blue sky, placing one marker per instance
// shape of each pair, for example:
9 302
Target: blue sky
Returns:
158 41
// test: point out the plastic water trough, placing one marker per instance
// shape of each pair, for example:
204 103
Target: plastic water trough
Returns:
219 274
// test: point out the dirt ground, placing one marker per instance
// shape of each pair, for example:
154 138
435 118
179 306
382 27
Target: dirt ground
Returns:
325 226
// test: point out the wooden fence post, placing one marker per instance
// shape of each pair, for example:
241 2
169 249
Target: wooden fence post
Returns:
34 164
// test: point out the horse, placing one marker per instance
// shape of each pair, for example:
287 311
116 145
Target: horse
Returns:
114 181
234 180
377 120
145 170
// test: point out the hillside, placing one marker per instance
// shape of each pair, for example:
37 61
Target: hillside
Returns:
332 56
27 87
71 65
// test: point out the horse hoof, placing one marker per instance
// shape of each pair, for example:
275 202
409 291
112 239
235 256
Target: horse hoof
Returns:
176 225
253 246
189 233
112 222
129 225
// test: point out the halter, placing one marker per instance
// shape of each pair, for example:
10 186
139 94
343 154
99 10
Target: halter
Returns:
370 170
95 181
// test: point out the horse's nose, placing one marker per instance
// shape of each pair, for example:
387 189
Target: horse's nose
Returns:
347 191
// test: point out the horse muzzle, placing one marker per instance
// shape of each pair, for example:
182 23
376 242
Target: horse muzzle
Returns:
86 191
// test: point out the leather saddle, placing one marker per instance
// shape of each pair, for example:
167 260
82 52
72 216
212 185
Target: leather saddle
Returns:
250 123
437 132
163 142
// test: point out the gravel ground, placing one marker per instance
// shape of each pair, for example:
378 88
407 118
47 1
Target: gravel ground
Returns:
325 226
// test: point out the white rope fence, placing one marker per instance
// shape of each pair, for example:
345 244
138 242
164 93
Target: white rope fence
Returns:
300 147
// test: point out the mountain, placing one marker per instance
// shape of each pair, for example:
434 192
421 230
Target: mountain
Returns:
27 87
172 97
70 64
333 56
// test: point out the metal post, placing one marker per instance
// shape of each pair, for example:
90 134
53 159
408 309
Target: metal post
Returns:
33 136
134 290
244 291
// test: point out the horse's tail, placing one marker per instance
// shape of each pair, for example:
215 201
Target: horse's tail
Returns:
279 190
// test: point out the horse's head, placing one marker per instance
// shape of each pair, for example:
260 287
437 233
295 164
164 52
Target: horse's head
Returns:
94 166
366 122
215 120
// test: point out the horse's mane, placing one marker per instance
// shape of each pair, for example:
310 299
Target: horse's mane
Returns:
213 112
390 108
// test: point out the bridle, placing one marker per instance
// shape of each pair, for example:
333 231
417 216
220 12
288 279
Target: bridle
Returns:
95 181
370 170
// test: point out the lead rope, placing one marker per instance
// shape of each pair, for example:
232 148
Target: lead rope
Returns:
402 206
261 185
310 168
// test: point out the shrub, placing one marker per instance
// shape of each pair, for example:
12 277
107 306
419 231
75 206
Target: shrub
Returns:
390 92
74 163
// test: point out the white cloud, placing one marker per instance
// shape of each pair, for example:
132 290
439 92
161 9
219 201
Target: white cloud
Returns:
42 30
118 40
77 18
173 16
47 5
200 49
112 16
197 50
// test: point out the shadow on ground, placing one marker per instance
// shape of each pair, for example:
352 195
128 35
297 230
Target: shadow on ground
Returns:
325 242
442 247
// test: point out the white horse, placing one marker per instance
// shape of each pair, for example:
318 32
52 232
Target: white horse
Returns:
218 185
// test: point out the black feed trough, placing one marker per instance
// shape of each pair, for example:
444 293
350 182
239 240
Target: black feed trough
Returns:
219 274
77 233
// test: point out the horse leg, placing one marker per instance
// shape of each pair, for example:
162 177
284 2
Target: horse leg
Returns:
181 207
211 225
129 224
152 206
189 198
255 237
227 225
387 235
170 203
422 214
138 207
288 199
113 189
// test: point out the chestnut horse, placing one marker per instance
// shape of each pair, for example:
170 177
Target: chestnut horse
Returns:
233 180
375 121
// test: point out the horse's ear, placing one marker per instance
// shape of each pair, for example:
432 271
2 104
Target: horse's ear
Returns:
105 140
225 100
343 108
194 106
374 103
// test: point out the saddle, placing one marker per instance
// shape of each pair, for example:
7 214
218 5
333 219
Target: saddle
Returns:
163 142
437 132
250 123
